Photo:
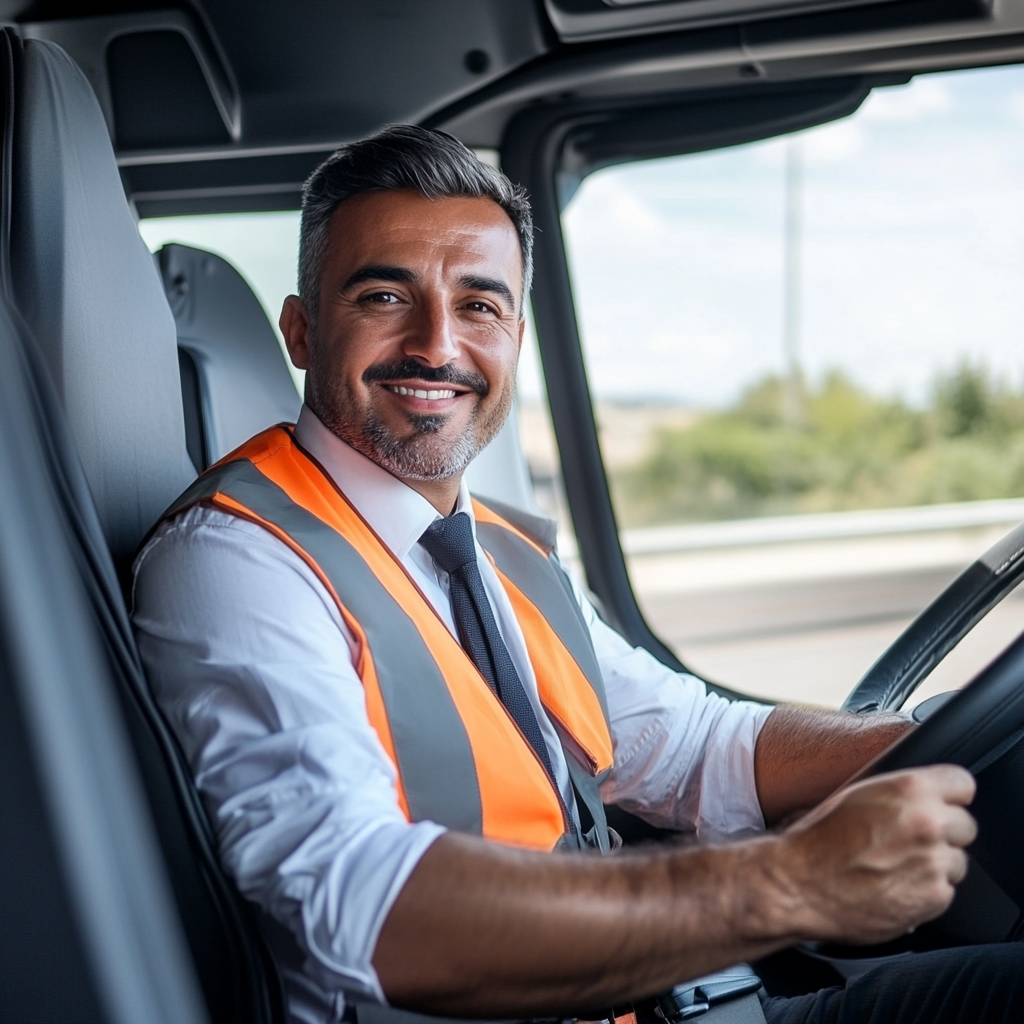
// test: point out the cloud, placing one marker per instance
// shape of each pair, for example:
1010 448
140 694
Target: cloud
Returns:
629 211
912 253
825 144
923 97
833 142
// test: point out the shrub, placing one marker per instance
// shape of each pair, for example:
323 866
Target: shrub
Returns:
843 449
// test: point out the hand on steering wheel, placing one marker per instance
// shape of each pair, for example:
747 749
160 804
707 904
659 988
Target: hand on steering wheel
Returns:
883 855
979 728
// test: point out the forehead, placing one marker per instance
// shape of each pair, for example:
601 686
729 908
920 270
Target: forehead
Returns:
407 229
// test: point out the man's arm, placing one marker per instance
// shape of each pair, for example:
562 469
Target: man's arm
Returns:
484 930
246 653
684 747
802 756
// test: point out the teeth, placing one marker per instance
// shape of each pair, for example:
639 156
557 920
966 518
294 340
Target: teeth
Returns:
431 396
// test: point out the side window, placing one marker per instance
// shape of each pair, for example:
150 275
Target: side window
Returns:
806 360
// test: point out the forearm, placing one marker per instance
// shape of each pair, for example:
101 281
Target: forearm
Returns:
481 929
802 756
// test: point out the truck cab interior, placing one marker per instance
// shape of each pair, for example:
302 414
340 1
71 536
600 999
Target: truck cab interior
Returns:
126 373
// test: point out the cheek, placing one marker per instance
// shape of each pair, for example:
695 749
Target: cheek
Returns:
498 358
342 364
502 373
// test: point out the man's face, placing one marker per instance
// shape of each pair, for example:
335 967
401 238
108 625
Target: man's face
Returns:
414 355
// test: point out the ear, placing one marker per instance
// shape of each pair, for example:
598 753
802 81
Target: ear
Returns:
522 331
294 324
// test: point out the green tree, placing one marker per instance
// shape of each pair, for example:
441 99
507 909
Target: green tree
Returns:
850 450
968 402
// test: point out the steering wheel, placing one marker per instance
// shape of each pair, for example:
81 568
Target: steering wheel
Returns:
980 727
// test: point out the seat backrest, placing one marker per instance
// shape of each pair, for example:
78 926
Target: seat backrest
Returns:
88 290
82 278
229 353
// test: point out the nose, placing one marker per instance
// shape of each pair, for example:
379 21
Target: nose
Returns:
433 338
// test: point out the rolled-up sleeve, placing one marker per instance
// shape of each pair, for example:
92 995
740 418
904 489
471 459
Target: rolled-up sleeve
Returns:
250 662
684 757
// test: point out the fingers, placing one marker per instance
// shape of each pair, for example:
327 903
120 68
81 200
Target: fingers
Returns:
959 828
886 853
934 799
956 869
937 796
950 782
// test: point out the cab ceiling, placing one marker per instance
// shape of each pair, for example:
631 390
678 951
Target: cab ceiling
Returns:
217 105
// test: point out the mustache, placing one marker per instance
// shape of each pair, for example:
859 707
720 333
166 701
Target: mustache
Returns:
407 369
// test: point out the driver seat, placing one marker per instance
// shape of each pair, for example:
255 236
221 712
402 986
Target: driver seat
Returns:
84 283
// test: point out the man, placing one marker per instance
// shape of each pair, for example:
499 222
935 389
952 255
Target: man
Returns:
396 704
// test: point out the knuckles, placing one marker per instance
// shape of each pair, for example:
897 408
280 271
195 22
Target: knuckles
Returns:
925 827
909 784
888 854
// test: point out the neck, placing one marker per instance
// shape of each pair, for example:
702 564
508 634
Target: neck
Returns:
442 494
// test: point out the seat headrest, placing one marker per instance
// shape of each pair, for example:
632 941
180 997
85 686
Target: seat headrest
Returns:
244 380
87 287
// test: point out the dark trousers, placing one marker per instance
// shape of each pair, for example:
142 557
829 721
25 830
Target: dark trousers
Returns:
970 985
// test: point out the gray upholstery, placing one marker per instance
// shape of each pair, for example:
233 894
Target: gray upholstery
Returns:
243 379
87 286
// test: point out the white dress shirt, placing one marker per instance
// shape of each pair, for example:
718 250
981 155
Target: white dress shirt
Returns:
251 662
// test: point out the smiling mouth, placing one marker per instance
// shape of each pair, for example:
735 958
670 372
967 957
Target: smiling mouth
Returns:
432 395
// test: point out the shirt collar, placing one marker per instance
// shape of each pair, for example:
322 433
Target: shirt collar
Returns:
397 513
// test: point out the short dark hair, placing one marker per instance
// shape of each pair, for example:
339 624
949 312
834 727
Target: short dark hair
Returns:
401 157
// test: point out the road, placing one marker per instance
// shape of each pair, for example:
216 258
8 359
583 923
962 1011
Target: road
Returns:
803 621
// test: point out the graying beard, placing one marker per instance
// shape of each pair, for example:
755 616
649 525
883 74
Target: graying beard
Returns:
412 458
408 459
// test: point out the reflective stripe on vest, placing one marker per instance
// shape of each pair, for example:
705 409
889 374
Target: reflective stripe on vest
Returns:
461 760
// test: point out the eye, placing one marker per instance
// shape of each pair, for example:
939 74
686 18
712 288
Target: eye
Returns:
382 298
479 306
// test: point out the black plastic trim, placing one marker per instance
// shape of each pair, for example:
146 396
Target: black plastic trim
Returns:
192 403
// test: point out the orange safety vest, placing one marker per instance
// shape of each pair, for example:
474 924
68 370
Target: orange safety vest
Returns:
460 758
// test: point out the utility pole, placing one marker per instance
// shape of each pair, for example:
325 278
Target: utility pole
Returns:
792 273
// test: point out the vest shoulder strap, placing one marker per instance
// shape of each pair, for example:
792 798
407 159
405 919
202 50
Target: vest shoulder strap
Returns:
541 530
522 549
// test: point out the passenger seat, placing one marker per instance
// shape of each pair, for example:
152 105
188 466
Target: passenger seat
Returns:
234 379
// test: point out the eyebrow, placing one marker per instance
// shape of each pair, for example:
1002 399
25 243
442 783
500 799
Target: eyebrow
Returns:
380 272
489 284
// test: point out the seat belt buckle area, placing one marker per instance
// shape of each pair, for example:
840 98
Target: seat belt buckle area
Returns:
695 998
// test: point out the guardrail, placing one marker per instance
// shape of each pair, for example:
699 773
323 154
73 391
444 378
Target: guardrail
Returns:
821 527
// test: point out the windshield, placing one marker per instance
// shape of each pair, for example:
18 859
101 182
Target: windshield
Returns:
806 357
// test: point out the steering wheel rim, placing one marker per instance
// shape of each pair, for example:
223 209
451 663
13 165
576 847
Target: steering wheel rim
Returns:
981 728
940 627
973 729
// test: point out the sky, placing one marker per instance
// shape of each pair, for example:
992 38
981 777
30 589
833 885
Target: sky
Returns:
912 242
913 250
